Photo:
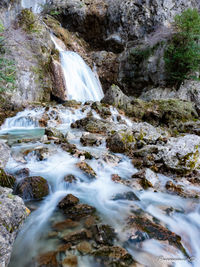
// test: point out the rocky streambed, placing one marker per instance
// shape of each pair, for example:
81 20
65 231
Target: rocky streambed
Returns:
92 179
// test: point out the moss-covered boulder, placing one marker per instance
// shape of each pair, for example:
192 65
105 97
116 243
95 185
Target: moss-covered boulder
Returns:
33 188
121 141
6 180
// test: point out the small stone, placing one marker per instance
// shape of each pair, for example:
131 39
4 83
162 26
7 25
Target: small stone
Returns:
65 225
67 202
70 261
84 247
77 236
70 178
89 221
87 169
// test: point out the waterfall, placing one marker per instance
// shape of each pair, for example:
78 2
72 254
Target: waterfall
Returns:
35 5
81 82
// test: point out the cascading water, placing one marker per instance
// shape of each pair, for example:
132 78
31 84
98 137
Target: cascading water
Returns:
35 5
100 193
81 82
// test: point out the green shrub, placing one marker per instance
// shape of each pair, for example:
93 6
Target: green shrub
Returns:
182 55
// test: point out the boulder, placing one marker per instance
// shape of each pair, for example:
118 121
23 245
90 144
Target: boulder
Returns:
88 139
12 215
93 125
33 188
182 154
121 142
114 96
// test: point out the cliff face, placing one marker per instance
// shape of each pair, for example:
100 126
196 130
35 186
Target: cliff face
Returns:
114 22
125 39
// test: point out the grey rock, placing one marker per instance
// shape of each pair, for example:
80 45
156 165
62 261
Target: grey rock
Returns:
4 154
12 215
182 154
114 96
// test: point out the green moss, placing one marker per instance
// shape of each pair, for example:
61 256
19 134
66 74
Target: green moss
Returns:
6 180
28 21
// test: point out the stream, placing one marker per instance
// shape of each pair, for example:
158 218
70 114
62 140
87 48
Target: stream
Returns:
35 237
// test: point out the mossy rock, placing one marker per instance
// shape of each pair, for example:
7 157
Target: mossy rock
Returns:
33 188
6 180
162 112
121 142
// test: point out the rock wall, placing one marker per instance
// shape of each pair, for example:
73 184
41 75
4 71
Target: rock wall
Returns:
111 23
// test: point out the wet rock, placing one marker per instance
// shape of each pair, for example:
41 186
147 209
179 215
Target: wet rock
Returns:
86 169
79 211
84 247
171 187
77 236
4 154
126 196
6 180
12 215
70 261
93 125
103 234
114 96
35 188
67 202
60 226
111 159
88 139
156 231
114 256
148 178
59 89
70 179
22 173
53 132
48 260
121 142
71 148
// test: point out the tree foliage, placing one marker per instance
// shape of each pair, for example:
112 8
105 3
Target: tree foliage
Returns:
182 55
